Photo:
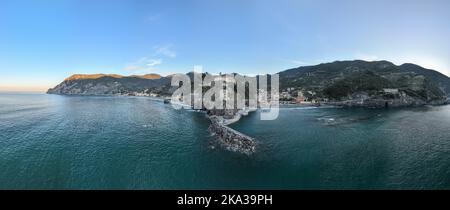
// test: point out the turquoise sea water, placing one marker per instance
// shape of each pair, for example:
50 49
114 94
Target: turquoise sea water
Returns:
61 142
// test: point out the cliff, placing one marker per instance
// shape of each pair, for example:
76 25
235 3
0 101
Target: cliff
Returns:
112 84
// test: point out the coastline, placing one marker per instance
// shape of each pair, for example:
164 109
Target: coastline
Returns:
332 104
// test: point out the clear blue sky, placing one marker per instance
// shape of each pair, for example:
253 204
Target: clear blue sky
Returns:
44 41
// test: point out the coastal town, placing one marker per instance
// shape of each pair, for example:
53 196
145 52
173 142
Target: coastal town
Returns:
388 97
292 96
288 96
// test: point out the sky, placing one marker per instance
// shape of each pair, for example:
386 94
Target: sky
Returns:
44 41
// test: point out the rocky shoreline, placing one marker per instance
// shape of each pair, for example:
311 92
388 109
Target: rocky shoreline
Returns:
386 103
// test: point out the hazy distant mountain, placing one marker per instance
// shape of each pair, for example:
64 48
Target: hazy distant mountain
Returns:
373 83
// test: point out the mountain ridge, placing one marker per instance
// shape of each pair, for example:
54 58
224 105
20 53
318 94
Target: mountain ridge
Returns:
355 82
97 76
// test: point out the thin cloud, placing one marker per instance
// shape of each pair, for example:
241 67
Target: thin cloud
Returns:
154 62
165 50
149 64
143 65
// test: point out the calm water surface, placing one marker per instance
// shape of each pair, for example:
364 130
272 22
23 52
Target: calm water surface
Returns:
61 142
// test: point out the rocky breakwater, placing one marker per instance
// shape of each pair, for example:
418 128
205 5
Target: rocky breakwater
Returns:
230 138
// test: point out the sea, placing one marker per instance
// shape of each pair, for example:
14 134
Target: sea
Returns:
112 142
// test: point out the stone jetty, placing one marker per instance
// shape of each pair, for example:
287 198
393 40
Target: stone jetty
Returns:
231 139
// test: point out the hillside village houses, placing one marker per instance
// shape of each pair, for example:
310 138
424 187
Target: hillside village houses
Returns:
289 97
